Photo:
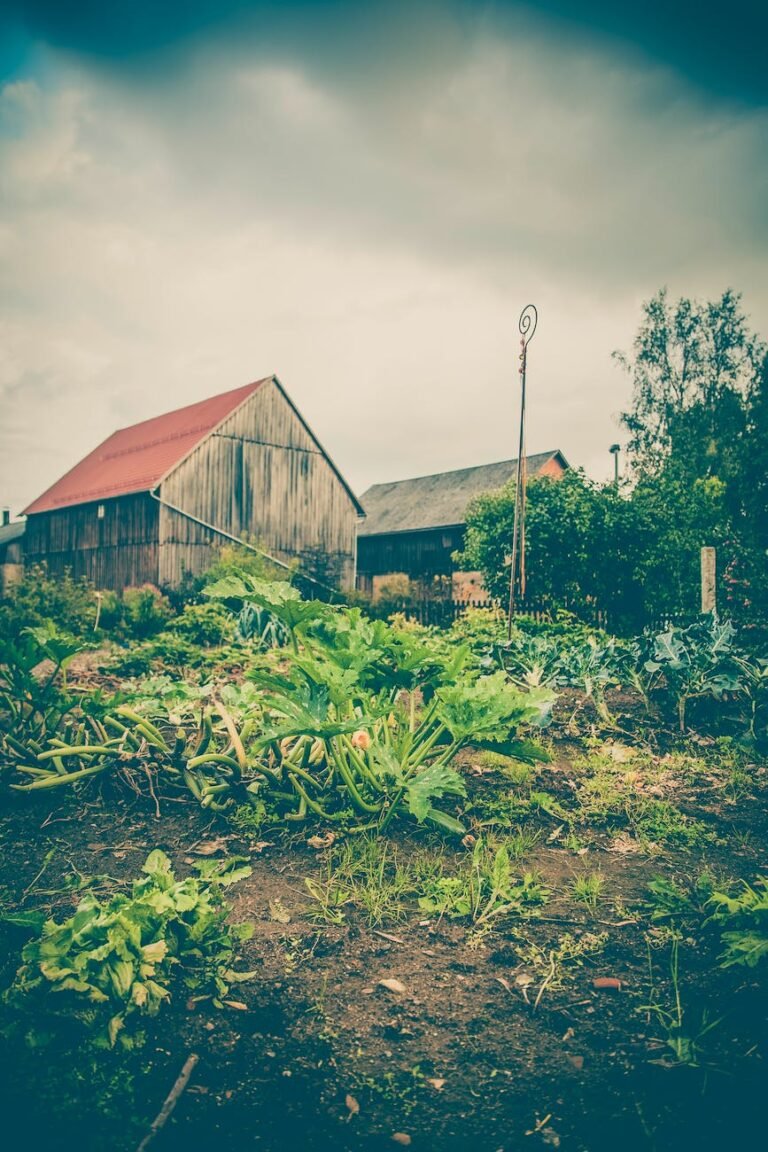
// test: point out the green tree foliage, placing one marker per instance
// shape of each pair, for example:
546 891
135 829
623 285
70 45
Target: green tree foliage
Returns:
699 447
698 427
582 544
694 365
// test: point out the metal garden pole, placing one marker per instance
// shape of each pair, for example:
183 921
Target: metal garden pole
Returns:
527 326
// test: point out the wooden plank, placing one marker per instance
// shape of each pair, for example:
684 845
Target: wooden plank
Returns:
708 580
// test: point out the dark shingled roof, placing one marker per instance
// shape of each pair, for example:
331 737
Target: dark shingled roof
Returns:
10 532
439 500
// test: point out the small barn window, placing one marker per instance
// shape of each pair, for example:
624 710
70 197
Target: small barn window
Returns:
100 512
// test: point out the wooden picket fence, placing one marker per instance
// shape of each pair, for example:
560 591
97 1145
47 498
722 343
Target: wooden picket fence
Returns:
442 613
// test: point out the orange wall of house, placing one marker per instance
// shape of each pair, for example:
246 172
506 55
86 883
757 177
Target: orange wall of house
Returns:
552 468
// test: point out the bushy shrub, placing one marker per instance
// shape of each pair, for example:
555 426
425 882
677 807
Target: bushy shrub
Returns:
480 627
146 611
162 651
185 642
37 596
207 625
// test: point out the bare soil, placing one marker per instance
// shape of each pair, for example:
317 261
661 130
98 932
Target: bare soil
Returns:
324 1056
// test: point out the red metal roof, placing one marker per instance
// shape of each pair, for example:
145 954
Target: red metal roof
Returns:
136 459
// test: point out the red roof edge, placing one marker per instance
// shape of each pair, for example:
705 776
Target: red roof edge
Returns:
137 458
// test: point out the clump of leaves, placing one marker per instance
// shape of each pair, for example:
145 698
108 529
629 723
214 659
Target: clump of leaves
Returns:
685 1032
531 661
679 904
167 650
36 703
116 961
484 889
593 667
207 625
369 874
744 918
659 822
587 888
695 662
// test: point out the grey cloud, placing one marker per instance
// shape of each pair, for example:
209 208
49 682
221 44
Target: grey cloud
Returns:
506 150
370 235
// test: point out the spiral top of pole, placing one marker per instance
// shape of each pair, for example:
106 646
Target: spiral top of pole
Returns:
529 318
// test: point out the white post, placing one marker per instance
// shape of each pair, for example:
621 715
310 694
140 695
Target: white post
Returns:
708 570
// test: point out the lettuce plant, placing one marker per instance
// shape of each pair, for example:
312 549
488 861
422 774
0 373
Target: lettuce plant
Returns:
116 961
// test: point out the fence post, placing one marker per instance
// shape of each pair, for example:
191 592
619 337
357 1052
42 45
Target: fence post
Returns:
708 571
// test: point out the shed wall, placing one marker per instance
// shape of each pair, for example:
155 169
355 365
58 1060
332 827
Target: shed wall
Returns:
117 551
424 553
421 554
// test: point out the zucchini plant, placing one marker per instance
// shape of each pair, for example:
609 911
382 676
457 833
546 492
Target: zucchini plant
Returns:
352 721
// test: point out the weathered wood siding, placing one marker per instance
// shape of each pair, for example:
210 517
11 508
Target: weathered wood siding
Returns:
419 554
260 473
117 551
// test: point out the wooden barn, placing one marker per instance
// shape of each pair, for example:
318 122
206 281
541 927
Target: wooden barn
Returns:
154 501
412 527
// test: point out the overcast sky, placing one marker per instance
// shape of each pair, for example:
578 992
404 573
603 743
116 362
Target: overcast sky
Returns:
361 198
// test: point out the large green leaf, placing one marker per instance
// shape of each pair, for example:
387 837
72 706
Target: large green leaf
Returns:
281 599
431 783
445 822
54 644
489 708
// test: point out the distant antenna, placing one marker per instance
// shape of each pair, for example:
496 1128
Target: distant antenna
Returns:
529 318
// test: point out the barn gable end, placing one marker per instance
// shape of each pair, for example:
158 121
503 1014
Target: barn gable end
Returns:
260 472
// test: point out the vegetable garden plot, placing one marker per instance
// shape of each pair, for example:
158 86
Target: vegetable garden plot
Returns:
474 916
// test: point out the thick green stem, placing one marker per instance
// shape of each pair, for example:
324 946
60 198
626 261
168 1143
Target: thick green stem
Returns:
294 769
448 755
346 775
55 780
153 734
359 761
391 810
72 750
301 813
313 805
214 758
423 746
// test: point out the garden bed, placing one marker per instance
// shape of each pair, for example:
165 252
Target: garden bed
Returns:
466 1048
